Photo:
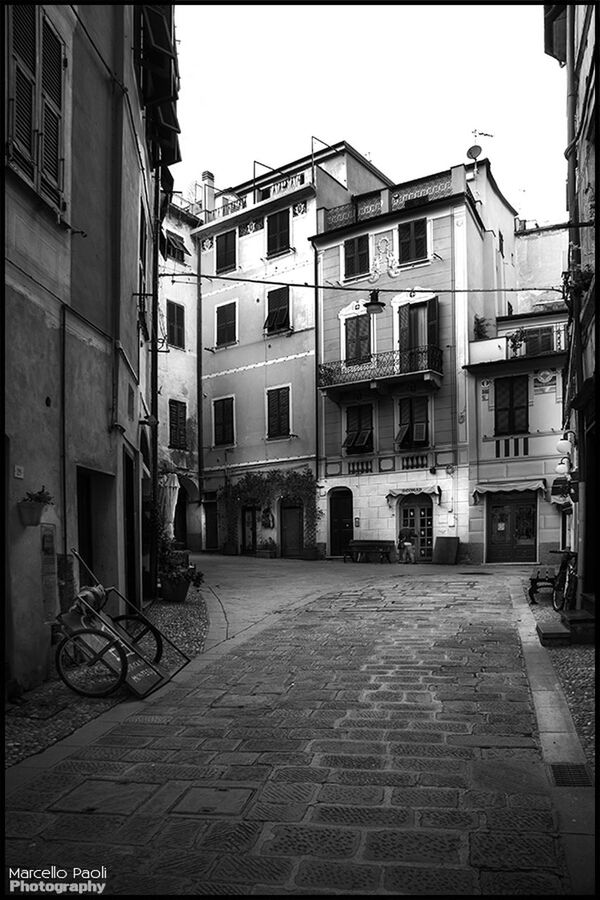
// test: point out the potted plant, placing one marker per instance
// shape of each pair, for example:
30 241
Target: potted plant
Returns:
33 505
174 571
266 549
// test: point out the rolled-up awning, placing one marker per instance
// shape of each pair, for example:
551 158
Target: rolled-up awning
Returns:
508 486
414 489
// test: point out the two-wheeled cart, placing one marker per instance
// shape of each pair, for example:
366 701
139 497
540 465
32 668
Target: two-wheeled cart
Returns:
98 653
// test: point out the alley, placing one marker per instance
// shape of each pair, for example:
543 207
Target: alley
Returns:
367 729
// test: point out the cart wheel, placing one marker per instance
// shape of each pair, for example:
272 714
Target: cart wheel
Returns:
144 636
91 662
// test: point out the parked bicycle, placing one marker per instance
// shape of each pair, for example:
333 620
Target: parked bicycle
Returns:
564 589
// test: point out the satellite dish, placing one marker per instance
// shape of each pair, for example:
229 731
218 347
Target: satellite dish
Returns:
474 151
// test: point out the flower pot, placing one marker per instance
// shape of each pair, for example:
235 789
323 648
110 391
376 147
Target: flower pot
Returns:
266 554
30 513
174 591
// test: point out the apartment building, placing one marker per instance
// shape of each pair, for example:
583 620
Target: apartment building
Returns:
257 306
91 129
408 274
570 37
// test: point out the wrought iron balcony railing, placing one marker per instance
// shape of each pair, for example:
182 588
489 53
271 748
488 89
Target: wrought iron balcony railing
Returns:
381 365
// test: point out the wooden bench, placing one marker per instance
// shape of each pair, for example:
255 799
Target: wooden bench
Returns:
359 551
536 581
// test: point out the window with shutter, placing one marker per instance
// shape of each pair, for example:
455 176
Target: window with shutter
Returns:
175 325
35 101
359 429
511 405
278 412
226 251
177 425
223 421
278 310
358 340
278 232
412 241
413 428
356 256
226 331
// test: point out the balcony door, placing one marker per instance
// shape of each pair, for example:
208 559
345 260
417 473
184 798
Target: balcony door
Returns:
417 333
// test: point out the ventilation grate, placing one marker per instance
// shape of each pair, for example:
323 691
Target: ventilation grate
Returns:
570 775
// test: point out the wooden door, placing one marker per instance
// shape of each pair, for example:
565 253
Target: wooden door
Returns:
211 539
511 527
341 526
248 529
292 543
416 514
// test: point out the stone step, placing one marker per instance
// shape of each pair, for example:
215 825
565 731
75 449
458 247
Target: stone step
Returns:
553 634
581 624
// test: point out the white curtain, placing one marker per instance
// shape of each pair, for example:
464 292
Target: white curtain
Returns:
168 489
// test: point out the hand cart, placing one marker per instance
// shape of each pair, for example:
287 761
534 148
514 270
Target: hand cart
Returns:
99 653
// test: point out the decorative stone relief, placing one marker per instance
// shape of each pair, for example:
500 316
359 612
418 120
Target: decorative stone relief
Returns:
384 258
299 208
207 244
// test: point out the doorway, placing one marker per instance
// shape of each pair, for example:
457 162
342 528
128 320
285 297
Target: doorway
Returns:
416 514
292 530
511 527
248 529
211 539
341 528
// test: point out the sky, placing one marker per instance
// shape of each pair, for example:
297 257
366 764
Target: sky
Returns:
405 84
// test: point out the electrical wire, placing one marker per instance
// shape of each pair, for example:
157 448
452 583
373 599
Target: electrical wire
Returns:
333 287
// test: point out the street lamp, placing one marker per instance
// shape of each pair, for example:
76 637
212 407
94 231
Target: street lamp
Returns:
374 305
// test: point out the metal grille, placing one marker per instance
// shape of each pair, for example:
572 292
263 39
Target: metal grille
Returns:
570 775
382 365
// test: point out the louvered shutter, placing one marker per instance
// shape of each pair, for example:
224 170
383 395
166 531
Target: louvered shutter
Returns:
432 322
226 324
50 162
404 242
358 339
352 426
520 404
420 238
278 412
403 322
278 316
223 413
363 254
226 251
177 424
502 406
419 420
278 232
22 115
349 260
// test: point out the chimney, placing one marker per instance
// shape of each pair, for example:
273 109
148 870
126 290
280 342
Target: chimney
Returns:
208 191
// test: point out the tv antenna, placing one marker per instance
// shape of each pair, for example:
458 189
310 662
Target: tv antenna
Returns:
474 152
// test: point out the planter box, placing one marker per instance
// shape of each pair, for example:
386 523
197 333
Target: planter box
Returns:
30 513
174 591
266 554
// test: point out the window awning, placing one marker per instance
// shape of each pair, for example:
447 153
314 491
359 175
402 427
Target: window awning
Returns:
508 486
414 489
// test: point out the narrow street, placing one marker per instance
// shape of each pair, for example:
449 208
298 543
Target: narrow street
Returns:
350 728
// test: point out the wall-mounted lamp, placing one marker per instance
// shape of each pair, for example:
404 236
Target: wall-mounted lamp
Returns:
374 305
565 445
564 466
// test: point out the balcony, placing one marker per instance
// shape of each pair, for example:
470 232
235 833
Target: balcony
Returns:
417 364
523 343
384 461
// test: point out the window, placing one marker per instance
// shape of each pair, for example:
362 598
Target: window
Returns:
177 429
511 405
175 325
226 326
278 232
413 430
356 256
358 340
539 340
226 251
176 248
359 429
413 241
278 412
35 101
418 325
278 310
223 421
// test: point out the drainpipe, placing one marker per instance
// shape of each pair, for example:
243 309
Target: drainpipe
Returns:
317 339
199 404
154 384
63 426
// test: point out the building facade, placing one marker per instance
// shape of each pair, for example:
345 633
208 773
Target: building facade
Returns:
91 129
570 37
398 411
256 271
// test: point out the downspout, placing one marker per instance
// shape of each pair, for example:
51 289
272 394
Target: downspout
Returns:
317 356
153 562
574 266
199 404
63 425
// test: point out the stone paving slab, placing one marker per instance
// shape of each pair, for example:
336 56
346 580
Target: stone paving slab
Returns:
374 740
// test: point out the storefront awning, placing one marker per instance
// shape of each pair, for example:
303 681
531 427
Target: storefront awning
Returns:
508 486
412 489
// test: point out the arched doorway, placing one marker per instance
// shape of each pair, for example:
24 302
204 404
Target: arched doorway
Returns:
415 512
341 525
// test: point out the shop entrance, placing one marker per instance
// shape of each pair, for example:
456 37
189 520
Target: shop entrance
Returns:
511 527
341 529
416 514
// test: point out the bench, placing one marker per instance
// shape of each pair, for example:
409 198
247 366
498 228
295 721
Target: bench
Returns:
359 551
536 581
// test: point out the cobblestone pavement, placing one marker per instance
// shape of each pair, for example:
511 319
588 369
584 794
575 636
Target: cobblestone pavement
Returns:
380 739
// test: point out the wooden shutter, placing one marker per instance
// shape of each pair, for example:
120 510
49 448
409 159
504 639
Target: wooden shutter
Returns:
502 398
520 403
432 322
419 420
278 232
358 339
403 322
226 251
226 324
223 413
52 75
278 315
356 256
175 324
278 412
22 118
420 238
177 424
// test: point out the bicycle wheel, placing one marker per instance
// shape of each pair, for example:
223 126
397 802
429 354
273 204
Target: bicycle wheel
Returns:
558 590
570 590
144 637
91 662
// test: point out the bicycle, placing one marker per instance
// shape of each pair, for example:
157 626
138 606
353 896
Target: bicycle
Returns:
564 589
